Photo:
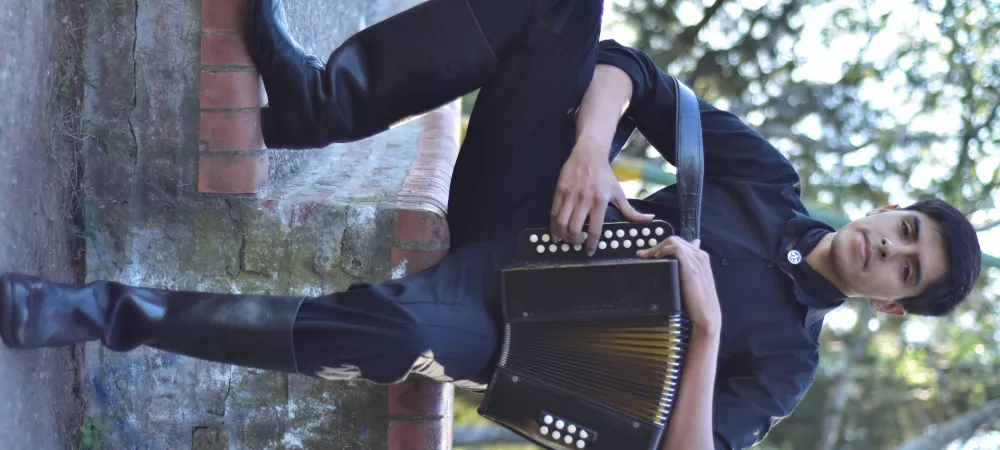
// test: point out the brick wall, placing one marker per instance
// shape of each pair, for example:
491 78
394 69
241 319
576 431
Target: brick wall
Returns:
233 160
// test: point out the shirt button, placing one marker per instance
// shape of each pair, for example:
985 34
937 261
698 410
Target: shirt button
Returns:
770 264
725 261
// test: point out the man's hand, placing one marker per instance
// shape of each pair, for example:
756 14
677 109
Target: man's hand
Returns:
701 302
586 186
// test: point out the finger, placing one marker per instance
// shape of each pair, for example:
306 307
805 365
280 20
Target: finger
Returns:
628 211
575 232
562 219
596 227
557 204
665 248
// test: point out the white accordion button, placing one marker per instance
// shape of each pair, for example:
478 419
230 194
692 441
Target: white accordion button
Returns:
602 245
607 234
584 434
565 247
560 424
640 242
652 242
545 238
578 247
620 233
659 231
553 248
580 444
633 232
534 238
571 428
540 248
627 244
556 435
614 244
547 420
544 429
568 439
645 231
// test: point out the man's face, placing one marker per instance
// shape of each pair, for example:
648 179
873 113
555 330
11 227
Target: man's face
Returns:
889 255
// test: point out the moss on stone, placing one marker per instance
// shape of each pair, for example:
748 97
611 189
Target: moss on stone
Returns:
93 433
217 244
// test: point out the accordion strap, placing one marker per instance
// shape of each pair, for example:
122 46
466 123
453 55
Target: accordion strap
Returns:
690 161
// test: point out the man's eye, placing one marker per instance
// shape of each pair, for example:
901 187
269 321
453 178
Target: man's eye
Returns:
906 271
906 230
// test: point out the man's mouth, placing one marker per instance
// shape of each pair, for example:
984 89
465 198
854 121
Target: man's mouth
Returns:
865 250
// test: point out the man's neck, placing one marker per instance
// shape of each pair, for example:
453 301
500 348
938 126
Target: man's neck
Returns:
821 260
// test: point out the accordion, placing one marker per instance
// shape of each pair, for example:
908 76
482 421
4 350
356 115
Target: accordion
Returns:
593 346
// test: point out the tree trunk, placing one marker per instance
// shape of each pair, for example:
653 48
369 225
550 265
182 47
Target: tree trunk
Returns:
961 427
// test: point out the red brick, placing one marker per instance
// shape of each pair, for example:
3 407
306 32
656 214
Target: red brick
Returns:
231 131
420 397
230 90
417 260
231 174
224 50
423 226
418 435
223 15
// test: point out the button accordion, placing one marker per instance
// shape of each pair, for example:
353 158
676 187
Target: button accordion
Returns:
593 347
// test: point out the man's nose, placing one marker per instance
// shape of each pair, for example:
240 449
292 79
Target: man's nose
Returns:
888 249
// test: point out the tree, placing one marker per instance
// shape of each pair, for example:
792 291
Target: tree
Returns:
905 108
874 102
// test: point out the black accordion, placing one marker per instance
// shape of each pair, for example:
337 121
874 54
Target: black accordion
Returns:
593 346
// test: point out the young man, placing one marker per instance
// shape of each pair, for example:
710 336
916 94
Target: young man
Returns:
553 102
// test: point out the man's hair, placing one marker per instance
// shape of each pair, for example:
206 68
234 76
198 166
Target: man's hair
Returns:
964 261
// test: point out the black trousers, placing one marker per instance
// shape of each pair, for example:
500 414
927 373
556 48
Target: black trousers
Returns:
445 322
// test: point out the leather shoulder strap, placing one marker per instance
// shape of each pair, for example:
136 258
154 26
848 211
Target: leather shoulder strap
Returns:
690 161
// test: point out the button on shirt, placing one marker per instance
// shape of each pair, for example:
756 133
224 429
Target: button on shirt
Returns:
752 219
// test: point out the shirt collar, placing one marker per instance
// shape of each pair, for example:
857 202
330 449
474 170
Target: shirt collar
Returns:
802 234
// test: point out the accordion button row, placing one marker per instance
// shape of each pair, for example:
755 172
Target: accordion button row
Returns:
566 436
603 245
608 234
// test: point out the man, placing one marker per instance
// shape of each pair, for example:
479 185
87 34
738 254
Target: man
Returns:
553 102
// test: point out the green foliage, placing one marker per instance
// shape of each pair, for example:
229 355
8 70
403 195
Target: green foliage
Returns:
93 433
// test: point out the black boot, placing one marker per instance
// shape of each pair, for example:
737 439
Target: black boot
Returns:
243 330
404 66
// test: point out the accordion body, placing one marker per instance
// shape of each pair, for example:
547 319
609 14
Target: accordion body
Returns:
593 347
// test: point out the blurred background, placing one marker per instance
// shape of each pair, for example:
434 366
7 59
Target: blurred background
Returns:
875 102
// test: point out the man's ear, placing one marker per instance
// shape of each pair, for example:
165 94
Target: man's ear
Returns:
882 210
886 307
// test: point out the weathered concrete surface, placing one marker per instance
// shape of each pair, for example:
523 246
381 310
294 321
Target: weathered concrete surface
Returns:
326 220
39 88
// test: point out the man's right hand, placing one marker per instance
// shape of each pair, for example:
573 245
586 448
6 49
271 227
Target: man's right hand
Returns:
587 185
701 301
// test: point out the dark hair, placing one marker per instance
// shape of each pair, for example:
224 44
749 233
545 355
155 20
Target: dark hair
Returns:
965 261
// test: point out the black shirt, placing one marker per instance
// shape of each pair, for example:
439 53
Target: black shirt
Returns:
752 217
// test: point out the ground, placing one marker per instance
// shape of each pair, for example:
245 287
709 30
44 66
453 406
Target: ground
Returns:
40 85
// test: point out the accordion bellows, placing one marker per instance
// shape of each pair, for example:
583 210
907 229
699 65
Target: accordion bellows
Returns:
593 346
